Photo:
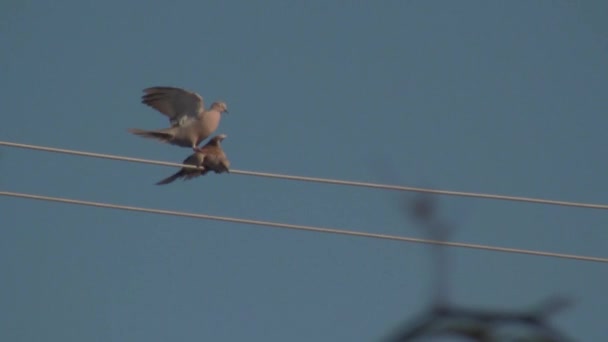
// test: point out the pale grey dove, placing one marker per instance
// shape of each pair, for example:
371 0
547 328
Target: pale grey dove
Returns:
190 122
210 157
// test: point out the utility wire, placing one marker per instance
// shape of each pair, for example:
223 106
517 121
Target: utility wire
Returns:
303 227
318 180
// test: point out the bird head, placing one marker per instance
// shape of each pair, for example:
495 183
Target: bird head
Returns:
220 106
218 138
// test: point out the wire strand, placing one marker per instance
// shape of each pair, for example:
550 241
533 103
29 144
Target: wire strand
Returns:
304 228
318 180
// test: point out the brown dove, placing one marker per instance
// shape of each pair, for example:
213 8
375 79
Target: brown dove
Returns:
210 157
190 122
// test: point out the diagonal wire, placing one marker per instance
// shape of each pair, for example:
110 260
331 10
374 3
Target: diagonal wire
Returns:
318 180
303 227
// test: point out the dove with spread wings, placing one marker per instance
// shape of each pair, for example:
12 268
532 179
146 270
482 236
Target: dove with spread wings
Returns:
190 122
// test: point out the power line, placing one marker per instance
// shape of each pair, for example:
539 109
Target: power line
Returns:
303 227
316 179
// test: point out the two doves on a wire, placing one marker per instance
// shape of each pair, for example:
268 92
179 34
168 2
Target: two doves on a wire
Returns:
191 124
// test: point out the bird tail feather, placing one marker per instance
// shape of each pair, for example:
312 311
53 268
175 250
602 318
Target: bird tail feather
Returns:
159 135
171 178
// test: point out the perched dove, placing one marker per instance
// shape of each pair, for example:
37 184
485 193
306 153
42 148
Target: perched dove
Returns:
210 157
190 122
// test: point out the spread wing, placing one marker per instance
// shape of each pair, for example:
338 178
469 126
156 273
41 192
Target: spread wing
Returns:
177 104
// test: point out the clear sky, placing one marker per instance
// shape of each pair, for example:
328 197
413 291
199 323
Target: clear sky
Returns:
504 97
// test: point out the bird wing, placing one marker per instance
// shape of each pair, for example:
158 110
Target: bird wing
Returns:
177 104
195 159
213 151
215 158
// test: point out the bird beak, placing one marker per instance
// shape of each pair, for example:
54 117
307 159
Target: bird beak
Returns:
226 111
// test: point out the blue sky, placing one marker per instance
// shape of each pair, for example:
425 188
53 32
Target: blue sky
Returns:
482 96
